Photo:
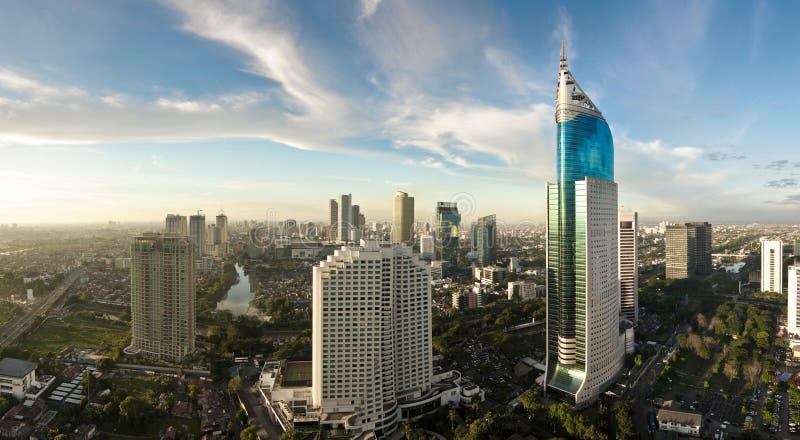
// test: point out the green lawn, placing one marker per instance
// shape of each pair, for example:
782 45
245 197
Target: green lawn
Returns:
54 336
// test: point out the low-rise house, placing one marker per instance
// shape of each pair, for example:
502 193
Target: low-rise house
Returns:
16 377
672 418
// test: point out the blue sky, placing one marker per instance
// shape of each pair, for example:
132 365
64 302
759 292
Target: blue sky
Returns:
128 110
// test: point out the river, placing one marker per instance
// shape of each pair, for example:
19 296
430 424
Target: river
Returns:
239 295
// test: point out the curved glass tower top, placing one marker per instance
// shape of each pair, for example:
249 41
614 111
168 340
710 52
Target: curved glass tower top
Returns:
585 146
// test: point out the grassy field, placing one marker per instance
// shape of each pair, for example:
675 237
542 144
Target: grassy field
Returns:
54 336
7 311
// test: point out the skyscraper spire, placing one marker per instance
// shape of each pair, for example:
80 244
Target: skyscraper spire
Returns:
563 54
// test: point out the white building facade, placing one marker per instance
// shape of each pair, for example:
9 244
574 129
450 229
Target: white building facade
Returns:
792 323
371 340
629 266
772 266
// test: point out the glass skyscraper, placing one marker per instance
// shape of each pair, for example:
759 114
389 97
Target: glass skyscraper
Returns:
448 221
584 354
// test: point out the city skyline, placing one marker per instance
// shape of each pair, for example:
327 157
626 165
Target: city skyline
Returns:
224 117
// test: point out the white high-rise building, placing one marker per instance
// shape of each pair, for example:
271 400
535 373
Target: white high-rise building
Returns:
772 266
792 323
629 266
197 234
371 343
345 217
176 224
162 297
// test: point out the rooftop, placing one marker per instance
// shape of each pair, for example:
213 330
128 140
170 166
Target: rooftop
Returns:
15 367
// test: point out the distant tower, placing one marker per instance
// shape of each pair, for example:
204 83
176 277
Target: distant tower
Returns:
403 216
772 266
629 266
222 224
197 234
333 219
345 217
162 297
486 239
371 314
426 246
176 224
448 222
355 228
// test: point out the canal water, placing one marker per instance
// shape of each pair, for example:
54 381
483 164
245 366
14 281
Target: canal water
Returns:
239 295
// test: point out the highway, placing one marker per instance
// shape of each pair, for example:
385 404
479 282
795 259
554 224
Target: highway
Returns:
21 323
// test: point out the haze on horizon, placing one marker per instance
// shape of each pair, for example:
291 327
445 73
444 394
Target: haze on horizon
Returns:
256 107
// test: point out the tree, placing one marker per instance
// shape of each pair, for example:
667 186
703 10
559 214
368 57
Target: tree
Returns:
61 437
234 385
624 419
637 360
731 370
134 412
105 364
530 400
250 433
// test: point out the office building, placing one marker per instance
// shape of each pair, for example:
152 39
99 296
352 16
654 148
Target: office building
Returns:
524 289
772 266
224 239
426 246
629 266
448 221
403 219
371 314
162 297
345 217
584 354
197 234
17 377
688 249
486 233
333 219
176 224
356 230
793 313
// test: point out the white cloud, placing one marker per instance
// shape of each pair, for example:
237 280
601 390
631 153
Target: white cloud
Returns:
187 106
368 8
115 100
16 82
259 32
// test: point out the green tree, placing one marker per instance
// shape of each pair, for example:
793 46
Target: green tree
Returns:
134 412
638 360
250 433
531 401
234 385
623 417
105 364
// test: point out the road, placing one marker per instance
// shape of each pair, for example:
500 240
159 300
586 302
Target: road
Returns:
21 323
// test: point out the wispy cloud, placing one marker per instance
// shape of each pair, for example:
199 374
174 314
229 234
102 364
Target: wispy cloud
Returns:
783 183
719 156
17 82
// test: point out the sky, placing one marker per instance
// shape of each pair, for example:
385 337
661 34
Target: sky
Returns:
128 110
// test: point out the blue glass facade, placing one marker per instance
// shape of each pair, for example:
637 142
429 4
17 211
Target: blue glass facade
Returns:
585 149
